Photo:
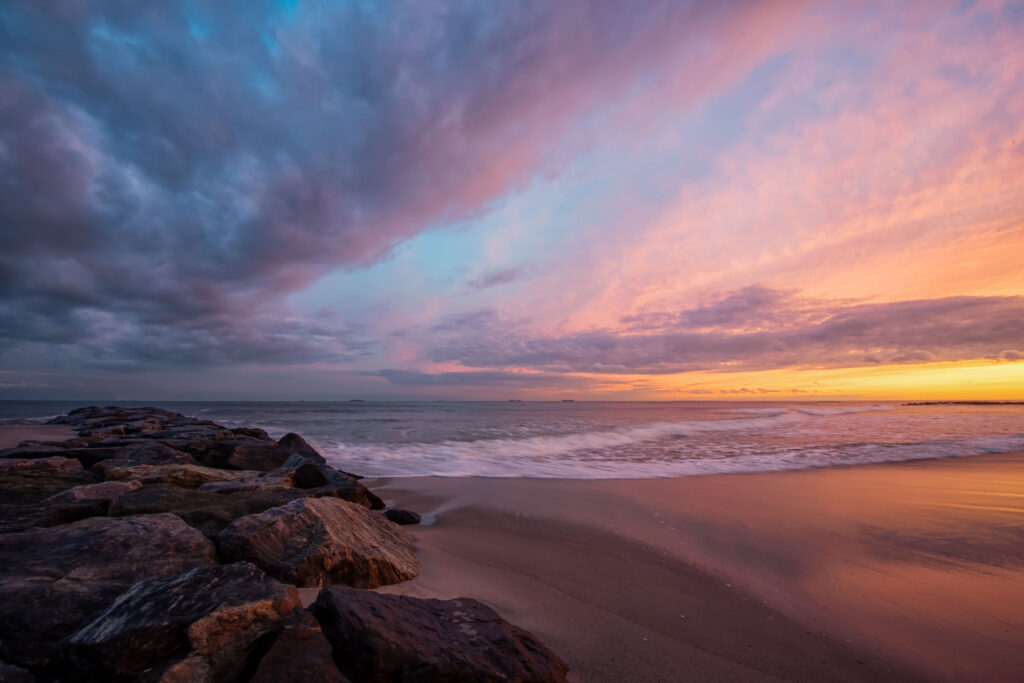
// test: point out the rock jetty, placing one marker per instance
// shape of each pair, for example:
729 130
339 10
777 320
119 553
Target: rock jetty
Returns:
157 547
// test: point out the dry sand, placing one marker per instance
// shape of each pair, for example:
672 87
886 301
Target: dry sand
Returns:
12 435
865 573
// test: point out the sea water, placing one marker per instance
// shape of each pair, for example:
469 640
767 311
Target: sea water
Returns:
587 440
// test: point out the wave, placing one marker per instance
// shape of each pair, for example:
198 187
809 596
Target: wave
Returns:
505 458
843 410
9 421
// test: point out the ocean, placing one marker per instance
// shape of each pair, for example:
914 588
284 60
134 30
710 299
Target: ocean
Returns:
593 440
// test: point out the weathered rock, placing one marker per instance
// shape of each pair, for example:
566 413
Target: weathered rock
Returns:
316 541
253 432
86 456
220 615
187 476
243 486
239 454
403 517
43 515
30 481
53 581
155 453
27 488
104 490
311 475
299 654
380 638
208 511
294 443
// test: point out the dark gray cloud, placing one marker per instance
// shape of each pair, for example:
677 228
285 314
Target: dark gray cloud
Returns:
759 328
177 168
499 276
476 378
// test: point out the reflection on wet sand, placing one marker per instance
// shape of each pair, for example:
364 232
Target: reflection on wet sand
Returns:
920 564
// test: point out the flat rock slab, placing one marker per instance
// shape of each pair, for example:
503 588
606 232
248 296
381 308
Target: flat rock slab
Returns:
299 654
187 476
317 541
30 481
104 490
217 615
379 638
53 581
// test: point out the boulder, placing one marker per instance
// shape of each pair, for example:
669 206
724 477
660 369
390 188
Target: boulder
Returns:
46 514
31 481
53 581
208 512
186 476
104 490
155 453
239 453
253 432
312 475
403 517
219 615
294 443
316 541
299 654
211 512
85 455
380 638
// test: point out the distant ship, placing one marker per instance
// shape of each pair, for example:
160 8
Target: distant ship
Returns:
568 400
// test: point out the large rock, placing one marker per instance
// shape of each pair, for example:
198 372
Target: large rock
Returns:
299 654
311 475
104 490
403 517
187 476
242 453
380 638
85 455
316 541
209 511
155 453
53 581
218 615
294 443
30 481
253 432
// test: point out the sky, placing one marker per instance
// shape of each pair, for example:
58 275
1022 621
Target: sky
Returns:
623 200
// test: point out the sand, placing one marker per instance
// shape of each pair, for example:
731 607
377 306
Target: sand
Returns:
11 435
887 572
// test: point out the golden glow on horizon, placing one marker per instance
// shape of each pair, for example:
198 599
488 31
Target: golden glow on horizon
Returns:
962 380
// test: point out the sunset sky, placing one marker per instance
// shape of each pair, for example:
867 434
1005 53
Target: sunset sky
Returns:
477 200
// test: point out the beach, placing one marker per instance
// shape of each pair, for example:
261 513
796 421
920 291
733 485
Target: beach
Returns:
899 571
895 571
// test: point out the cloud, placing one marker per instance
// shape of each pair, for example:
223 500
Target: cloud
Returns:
174 167
500 276
757 328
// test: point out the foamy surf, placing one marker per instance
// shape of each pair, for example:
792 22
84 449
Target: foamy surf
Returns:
769 440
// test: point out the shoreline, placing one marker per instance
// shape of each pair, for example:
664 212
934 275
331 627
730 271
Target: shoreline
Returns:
913 565
907 570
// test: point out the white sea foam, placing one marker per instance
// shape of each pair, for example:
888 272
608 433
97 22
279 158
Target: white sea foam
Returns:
843 410
663 449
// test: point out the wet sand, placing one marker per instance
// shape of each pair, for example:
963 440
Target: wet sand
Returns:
12 435
880 572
